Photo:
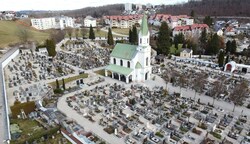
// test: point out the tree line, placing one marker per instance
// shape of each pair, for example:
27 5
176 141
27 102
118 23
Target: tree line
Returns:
211 7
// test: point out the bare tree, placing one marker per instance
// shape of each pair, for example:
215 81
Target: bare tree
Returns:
199 83
239 93
84 32
77 33
23 34
182 80
217 89
57 35
69 31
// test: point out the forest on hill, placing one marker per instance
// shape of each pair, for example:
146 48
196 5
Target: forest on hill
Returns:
211 7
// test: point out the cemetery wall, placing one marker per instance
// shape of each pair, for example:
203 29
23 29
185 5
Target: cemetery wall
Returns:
7 57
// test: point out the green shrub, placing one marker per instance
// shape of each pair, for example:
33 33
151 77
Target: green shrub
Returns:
216 135
58 91
159 134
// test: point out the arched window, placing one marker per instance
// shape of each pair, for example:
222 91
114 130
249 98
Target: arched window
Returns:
147 40
121 62
147 61
140 40
114 61
128 64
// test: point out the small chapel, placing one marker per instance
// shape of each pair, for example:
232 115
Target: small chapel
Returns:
131 63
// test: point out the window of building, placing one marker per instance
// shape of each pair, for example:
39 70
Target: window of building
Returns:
140 40
147 40
128 64
121 62
114 61
146 61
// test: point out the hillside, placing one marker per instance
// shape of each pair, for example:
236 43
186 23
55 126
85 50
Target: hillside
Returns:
9 30
211 7
115 9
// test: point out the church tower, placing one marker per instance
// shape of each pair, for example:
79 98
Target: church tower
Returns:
144 50
143 38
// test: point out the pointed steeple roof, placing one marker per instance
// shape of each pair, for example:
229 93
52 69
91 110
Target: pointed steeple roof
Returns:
144 26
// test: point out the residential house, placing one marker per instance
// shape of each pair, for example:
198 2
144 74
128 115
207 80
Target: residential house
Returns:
186 53
172 21
191 30
126 21
89 21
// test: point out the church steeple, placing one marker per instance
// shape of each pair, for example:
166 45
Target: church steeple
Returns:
143 38
144 26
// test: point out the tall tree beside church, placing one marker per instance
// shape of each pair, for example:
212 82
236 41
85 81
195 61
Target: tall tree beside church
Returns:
215 43
51 47
163 41
228 46
221 58
203 40
134 37
110 38
208 20
130 36
192 13
91 33
233 47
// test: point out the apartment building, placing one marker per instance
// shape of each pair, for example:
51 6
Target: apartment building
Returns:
125 21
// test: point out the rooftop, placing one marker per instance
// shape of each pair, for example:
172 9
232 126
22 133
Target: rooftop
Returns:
124 51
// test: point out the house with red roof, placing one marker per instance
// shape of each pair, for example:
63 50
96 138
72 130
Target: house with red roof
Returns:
123 21
190 30
172 21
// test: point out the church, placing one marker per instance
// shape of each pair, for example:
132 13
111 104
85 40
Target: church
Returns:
131 63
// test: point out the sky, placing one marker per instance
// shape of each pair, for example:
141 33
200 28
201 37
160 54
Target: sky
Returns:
17 5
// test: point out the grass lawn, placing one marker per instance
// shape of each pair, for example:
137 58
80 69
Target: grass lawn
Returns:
124 31
28 127
173 50
102 72
99 33
69 79
9 30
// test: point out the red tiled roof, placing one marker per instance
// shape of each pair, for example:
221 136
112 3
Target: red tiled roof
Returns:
194 26
125 17
71 136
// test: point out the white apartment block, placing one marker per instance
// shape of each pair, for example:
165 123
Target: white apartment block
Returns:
52 22
63 22
126 21
43 23
89 21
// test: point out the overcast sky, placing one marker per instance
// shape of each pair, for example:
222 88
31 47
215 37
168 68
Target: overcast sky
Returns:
17 5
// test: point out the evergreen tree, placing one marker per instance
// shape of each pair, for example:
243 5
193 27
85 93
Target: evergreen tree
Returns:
134 37
110 37
130 36
215 43
228 46
208 20
63 84
221 58
163 41
227 59
192 13
51 47
57 84
203 40
233 47
91 33
184 45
